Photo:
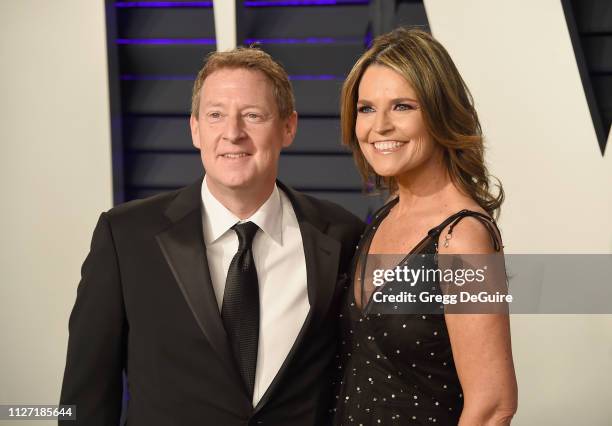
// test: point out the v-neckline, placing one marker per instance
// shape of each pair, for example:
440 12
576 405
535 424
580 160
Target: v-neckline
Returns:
370 236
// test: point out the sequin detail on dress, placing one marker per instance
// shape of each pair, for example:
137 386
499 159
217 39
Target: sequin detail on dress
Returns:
398 369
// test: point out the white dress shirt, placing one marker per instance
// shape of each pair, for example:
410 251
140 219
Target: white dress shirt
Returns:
278 253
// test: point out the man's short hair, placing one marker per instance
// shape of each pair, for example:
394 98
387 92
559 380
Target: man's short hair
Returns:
250 59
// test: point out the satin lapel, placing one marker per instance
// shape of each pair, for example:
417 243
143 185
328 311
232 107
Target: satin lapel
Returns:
322 256
182 245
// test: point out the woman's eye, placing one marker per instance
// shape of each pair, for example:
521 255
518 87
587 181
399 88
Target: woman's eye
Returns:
404 107
365 109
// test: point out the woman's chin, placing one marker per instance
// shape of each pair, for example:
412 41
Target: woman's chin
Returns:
387 172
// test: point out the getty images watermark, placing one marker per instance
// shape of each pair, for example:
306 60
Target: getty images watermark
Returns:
424 276
492 283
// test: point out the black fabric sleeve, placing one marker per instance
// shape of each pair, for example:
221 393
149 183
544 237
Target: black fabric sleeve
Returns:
97 337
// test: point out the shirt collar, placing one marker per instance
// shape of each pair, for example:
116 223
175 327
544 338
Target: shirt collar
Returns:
218 219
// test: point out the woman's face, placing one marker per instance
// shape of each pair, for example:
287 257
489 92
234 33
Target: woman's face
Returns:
389 126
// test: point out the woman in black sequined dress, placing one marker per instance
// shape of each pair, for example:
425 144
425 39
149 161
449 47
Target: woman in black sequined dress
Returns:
410 121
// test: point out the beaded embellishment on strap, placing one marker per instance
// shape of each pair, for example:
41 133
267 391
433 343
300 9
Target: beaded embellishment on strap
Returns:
453 220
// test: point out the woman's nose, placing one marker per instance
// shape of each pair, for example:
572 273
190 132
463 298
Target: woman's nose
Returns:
382 122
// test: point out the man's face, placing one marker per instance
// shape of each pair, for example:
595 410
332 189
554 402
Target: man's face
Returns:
239 132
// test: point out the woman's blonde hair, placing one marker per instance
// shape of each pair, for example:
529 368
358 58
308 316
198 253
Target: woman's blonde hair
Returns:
446 104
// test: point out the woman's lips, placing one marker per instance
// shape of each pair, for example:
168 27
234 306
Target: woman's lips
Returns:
388 147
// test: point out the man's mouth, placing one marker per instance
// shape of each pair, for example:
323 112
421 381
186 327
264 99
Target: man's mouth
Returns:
235 155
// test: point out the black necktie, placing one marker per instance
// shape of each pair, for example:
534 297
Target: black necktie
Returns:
240 310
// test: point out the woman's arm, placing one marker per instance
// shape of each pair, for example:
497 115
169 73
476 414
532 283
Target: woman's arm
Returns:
481 344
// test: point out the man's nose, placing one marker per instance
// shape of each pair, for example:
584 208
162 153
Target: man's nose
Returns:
234 128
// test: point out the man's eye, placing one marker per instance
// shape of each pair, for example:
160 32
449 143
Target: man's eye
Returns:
364 109
253 116
404 107
214 115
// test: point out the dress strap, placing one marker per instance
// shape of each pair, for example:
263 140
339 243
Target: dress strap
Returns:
454 219
383 210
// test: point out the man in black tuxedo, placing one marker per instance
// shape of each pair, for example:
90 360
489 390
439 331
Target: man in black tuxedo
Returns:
218 300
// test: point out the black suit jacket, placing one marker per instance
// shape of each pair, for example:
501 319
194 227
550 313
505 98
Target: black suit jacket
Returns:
145 304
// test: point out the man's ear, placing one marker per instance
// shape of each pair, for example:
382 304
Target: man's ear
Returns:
290 129
195 131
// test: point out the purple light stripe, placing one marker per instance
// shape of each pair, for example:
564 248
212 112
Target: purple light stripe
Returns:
316 77
248 3
165 41
368 39
273 3
127 4
129 77
309 40
212 41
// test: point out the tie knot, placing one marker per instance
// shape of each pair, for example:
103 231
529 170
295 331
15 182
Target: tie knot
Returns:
245 231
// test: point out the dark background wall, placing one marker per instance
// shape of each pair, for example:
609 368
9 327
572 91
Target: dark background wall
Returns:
156 49
590 27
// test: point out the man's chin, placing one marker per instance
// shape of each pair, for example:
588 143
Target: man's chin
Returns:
240 182
234 183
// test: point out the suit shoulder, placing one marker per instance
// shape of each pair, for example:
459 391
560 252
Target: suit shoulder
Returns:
142 216
335 213
141 207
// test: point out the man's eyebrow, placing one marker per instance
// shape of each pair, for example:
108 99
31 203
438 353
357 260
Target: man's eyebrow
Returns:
220 104
253 106
212 104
